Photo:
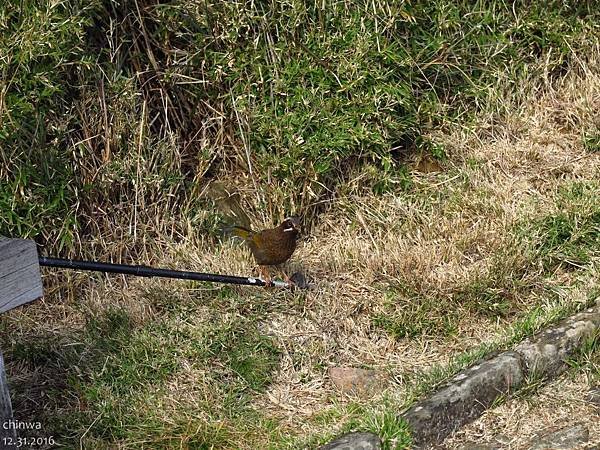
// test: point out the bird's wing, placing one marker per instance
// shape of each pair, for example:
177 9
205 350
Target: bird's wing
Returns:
241 232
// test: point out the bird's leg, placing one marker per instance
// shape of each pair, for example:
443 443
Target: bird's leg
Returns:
291 283
287 278
264 273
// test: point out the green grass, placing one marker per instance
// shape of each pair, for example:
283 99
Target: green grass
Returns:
570 237
591 141
120 371
292 92
587 359
408 315
392 430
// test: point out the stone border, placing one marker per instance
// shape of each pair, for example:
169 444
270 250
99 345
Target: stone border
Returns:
468 394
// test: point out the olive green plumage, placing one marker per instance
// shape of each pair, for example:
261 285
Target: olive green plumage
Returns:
272 246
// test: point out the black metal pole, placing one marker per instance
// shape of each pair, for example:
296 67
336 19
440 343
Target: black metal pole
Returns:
143 271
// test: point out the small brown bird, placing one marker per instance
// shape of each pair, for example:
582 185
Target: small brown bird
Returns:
271 247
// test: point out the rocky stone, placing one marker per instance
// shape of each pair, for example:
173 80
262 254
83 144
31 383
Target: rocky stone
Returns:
355 441
466 396
566 438
593 397
503 439
362 382
546 352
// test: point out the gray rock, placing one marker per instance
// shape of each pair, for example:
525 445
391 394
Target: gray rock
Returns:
565 438
355 441
546 352
503 439
594 397
466 396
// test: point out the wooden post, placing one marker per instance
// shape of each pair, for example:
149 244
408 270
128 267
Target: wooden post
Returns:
20 283
8 434
20 279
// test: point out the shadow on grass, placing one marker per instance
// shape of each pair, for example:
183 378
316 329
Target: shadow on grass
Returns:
109 380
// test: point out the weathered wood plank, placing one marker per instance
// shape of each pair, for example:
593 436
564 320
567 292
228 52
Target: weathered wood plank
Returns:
20 279
8 433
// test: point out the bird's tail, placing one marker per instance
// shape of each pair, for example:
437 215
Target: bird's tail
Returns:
239 231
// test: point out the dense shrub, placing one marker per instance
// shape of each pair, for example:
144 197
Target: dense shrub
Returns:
298 93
